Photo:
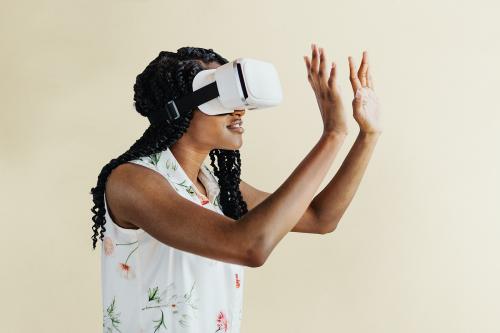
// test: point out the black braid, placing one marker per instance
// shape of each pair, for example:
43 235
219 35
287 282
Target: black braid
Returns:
169 76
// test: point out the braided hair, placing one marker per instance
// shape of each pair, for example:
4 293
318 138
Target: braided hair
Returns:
170 76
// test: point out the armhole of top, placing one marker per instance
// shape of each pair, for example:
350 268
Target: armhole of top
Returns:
120 228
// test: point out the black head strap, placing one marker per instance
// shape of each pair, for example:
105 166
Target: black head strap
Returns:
174 108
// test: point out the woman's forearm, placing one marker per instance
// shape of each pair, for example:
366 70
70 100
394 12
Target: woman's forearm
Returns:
331 203
273 218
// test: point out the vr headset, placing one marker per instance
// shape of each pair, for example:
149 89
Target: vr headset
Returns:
241 84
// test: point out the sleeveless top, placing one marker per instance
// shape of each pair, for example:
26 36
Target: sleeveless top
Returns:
149 286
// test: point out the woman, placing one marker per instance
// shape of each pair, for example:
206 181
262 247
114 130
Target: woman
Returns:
176 235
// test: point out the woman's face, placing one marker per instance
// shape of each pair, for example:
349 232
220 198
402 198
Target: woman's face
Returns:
212 130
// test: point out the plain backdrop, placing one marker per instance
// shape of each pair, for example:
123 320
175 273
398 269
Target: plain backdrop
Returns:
416 251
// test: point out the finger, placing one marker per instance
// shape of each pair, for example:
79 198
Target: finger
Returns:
363 69
370 79
322 62
355 83
333 76
308 66
314 62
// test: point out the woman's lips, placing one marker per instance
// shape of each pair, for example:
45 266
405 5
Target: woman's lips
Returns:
236 122
238 129
236 125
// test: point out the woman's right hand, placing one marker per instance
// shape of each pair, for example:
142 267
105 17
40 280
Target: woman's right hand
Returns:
327 92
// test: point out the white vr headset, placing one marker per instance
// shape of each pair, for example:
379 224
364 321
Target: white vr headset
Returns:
241 84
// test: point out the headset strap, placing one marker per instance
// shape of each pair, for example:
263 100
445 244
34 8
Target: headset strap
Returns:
174 108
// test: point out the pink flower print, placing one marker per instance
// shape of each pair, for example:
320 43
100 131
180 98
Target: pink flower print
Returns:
237 280
221 322
126 271
202 197
204 200
109 247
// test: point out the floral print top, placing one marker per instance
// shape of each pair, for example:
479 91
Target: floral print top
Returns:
149 286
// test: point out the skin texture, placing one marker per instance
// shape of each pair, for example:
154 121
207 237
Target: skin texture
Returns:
138 197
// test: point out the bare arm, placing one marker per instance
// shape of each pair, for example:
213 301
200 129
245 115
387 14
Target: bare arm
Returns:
275 216
144 198
331 203
308 222
326 209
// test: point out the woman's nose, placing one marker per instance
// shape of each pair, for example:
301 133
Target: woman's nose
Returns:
240 112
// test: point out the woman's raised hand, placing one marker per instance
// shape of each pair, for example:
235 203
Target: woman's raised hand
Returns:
365 105
327 93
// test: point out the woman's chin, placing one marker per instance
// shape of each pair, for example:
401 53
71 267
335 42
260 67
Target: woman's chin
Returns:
233 145
238 146
231 139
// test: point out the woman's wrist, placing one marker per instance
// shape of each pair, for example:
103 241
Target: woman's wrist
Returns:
335 138
334 135
369 135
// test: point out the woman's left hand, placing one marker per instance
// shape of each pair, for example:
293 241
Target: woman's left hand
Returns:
365 105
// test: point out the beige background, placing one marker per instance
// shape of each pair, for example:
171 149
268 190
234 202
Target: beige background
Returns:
416 251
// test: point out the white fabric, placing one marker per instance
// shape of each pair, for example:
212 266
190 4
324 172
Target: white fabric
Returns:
148 286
